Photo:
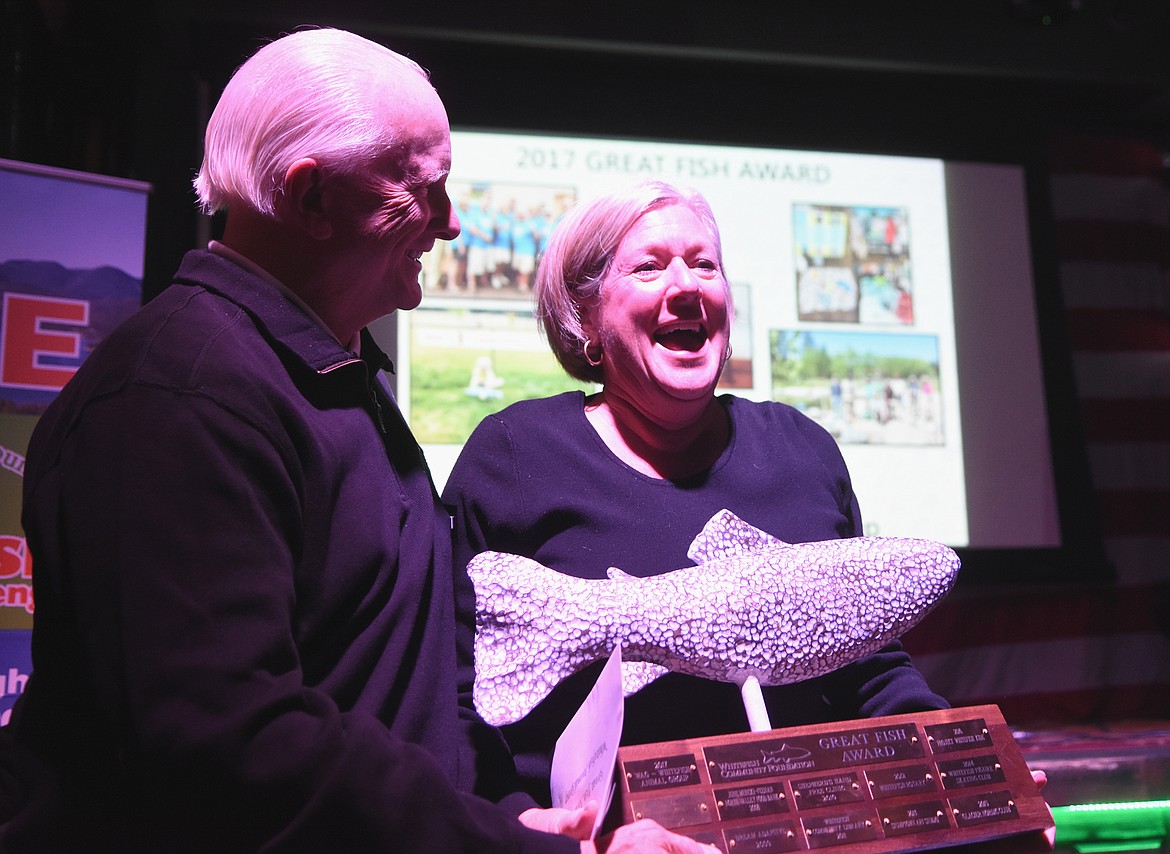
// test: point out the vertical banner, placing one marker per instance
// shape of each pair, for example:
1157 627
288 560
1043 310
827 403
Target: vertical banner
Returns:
71 259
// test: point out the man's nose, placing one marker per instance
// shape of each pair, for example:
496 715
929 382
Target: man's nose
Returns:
444 216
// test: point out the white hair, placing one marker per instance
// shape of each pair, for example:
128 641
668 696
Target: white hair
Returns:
317 93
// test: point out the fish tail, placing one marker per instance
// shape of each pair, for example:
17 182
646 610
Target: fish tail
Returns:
534 627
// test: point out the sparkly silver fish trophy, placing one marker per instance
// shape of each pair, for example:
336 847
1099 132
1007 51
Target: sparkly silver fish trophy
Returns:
754 611
758 611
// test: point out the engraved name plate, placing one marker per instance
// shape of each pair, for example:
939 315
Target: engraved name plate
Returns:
751 801
901 780
840 828
665 772
833 749
677 810
772 837
971 810
958 735
914 818
973 771
915 782
821 791
735 762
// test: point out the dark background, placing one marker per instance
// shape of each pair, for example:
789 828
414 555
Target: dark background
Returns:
122 87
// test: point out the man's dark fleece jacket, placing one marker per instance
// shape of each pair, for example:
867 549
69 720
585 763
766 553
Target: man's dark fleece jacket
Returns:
244 636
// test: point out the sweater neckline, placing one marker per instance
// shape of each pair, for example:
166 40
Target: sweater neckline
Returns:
577 400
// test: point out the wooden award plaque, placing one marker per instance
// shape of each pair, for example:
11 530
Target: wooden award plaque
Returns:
899 783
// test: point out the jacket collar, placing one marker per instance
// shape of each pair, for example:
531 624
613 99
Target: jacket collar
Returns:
277 315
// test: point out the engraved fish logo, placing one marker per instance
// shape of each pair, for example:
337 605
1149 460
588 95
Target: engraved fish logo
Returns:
753 606
787 753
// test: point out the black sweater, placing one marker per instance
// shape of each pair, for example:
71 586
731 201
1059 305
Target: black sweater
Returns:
537 480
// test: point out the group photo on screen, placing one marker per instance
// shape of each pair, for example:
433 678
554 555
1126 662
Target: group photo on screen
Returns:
504 228
864 388
852 264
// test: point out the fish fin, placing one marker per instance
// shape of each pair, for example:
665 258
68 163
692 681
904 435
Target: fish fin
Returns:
615 574
726 535
636 675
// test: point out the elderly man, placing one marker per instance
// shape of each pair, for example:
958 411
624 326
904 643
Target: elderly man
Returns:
244 630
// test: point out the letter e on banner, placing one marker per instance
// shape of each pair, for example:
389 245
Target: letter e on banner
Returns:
32 355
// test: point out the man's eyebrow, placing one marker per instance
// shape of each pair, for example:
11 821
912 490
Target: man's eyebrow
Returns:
412 180
425 177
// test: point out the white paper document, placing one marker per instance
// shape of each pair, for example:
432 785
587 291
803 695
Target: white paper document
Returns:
586 753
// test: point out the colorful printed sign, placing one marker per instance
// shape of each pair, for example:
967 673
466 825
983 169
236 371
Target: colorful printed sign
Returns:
71 259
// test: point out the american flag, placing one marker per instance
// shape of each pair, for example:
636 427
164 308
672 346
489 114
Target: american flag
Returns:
1081 653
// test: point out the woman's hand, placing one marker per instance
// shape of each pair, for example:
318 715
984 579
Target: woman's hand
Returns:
1040 779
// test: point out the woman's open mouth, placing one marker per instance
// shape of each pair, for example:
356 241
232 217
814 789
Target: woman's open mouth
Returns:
689 337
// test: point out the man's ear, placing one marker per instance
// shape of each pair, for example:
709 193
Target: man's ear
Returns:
303 203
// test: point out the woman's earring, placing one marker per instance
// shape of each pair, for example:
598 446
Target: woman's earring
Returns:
585 351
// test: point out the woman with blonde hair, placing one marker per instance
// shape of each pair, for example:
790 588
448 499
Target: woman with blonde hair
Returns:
632 295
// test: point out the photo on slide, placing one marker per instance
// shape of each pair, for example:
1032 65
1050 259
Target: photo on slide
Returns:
504 228
468 363
737 370
852 264
865 388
